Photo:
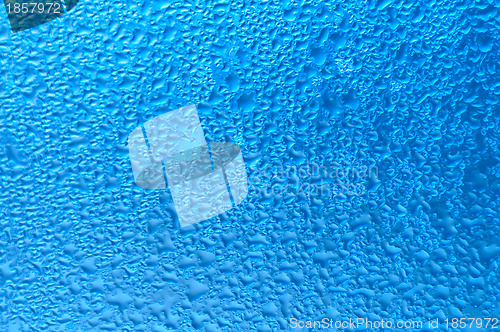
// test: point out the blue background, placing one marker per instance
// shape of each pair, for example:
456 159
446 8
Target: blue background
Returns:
411 87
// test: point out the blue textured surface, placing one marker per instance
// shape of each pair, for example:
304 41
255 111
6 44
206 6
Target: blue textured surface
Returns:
411 87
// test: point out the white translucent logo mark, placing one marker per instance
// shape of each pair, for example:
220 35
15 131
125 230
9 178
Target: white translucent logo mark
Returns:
204 181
